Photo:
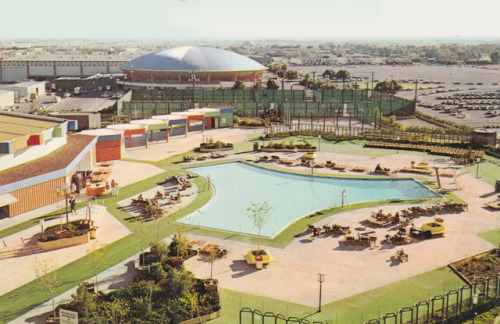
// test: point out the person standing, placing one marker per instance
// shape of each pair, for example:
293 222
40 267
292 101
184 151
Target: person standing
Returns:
113 187
72 203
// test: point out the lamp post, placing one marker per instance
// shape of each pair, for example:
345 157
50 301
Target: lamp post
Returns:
478 160
319 142
66 190
193 79
321 278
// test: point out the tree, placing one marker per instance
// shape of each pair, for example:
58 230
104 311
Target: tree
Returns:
46 272
141 231
390 87
272 85
259 214
97 260
494 57
343 75
238 85
213 255
329 74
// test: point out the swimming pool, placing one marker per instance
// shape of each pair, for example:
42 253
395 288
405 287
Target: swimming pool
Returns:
291 196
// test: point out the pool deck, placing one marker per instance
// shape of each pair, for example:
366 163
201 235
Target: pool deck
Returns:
348 271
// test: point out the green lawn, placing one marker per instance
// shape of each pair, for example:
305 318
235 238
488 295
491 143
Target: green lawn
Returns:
489 170
355 147
355 309
15 303
492 236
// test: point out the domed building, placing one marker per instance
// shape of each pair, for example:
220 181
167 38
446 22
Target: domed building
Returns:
176 65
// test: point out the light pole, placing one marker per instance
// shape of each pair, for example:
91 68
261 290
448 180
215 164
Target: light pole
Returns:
319 142
321 278
193 79
66 190
477 169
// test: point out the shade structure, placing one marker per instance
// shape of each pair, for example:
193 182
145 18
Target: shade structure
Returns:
7 199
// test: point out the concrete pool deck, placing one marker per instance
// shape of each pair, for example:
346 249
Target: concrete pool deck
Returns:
291 278
350 270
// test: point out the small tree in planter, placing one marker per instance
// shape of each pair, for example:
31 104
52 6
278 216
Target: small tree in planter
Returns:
259 214
141 231
46 272
179 246
97 260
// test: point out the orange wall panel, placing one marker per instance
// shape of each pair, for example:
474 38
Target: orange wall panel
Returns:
36 196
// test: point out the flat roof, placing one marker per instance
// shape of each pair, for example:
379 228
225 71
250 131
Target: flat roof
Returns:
203 110
16 125
26 84
101 132
169 117
73 57
125 126
55 161
187 113
156 121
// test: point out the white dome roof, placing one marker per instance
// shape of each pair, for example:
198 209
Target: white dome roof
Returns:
193 58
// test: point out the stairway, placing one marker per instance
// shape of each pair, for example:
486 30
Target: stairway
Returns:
17 251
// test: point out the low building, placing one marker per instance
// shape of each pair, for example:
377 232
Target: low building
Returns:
85 120
38 160
28 89
6 99
110 143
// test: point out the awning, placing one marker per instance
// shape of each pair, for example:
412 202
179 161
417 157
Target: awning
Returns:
7 199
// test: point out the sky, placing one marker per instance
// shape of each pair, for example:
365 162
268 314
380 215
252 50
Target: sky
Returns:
250 19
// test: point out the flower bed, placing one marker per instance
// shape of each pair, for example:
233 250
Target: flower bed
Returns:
64 242
59 236
270 149
74 228
212 146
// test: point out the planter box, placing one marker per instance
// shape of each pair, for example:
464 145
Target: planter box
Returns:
210 284
176 260
208 150
93 233
65 242
204 318
264 149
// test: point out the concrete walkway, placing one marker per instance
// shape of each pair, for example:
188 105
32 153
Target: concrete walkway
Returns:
324 253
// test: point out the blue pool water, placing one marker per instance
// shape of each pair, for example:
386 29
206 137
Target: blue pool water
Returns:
291 196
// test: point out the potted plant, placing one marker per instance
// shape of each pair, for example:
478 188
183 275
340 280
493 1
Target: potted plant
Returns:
179 247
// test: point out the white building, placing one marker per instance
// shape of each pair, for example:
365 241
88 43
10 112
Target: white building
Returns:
26 89
6 98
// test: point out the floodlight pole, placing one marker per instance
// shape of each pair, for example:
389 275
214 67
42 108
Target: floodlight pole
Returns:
193 79
477 169
66 189
321 278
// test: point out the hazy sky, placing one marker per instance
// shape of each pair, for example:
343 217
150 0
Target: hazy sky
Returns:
252 19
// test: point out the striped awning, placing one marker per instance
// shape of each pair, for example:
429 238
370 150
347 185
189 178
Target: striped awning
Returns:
7 199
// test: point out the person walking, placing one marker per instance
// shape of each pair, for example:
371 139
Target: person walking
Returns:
72 203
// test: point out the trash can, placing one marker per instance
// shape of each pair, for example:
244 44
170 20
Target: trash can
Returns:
258 262
497 185
255 146
93 232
